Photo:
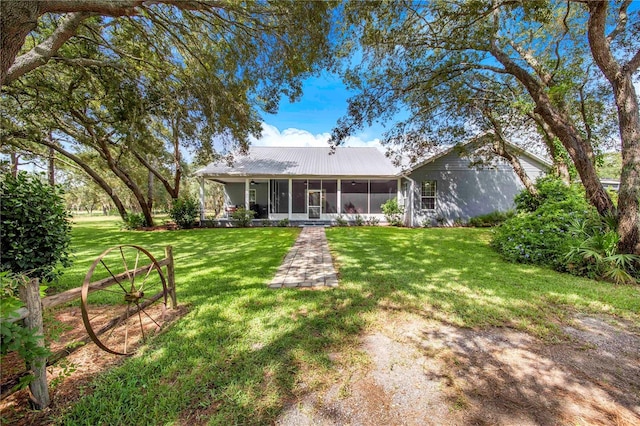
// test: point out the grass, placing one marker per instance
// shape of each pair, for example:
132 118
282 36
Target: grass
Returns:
242 351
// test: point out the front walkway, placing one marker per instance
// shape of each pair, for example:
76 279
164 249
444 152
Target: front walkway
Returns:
308 263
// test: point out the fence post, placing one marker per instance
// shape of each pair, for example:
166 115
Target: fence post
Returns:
30 295
168 250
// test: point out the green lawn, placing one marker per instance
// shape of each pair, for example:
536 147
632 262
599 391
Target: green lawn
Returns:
240 353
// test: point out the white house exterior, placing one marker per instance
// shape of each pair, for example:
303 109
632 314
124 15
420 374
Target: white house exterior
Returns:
312 184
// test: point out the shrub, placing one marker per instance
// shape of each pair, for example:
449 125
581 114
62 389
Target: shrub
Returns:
341 221
35 231
266 223
283 223
185 212
594 252
491 219
359 220
393 212
550 189
243 217
134 221
373 221
542 236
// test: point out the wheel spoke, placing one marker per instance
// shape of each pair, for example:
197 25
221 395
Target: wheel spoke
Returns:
113 276
144 280
145 312
133 278
140 319
124 261
120 321
126 333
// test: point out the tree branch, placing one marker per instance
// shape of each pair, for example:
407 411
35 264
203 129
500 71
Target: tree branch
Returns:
633 64
622 21
44 51
599 44
121 7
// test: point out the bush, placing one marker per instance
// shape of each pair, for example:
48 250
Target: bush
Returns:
185 211
134 221
243 217
341 221
283 223
542 236
393 212
359 220
491 219
373 221
550 189
594 252
35 231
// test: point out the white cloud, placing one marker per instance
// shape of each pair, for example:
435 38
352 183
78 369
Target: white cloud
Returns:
272 136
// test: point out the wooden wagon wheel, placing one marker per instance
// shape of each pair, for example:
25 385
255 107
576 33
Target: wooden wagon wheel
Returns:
124 298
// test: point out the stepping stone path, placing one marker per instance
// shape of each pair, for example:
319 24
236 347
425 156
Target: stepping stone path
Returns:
308 263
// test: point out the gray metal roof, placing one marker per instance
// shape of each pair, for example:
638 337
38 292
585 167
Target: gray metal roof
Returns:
305 161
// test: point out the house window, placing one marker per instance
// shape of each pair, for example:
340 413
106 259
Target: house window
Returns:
252 196
428 195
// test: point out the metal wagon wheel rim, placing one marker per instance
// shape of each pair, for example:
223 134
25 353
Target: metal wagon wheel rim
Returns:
119 316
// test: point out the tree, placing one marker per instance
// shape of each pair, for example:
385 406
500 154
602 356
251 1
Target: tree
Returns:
417 54
170 77
619 72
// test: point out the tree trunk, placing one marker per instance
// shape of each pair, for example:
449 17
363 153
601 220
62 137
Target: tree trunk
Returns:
127 180
562 127
629 124
96 178
17 20
517 168
499 143
150 190
560 166
629 193
15 162
51 172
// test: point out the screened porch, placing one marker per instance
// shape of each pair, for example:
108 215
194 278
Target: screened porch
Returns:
303 199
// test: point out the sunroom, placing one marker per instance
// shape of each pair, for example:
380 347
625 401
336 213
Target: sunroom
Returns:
307 184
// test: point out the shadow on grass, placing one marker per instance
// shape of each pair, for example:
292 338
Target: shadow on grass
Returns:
244 351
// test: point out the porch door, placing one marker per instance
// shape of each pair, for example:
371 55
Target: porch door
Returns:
314 206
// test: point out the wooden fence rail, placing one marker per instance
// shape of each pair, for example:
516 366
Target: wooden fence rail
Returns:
32 316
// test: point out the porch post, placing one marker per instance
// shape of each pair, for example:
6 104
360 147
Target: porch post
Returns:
201 199
368 196
339 197
269 207
246 193
290 201
412 203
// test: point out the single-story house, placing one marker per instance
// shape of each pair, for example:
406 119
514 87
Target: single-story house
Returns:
318 184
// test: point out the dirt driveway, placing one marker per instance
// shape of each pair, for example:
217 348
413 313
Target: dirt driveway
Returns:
422 372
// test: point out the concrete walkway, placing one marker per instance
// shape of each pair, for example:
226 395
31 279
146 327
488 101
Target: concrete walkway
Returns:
308 263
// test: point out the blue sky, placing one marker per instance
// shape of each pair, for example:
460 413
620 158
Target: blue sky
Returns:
308 122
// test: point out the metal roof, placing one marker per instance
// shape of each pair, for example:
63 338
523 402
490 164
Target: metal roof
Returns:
305 161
